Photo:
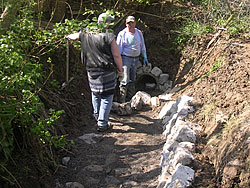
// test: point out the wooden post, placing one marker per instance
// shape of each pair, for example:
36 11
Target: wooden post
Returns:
67 62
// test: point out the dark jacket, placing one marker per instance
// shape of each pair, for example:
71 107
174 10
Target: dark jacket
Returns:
96 51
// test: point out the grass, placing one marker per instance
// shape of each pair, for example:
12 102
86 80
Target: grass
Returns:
215 66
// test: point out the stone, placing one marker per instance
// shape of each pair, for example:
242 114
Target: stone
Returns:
150 85
155 102
111 159
93 168
74 185
91 182
188 145
136 102
112 180
89 138
120 171
147 68
182 156
163 78
183 174
156 71
139 99
65 160
165 97
182 134
122 109
232 168
166 109
139 71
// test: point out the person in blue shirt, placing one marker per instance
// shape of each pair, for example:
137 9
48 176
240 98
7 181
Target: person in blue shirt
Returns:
131 45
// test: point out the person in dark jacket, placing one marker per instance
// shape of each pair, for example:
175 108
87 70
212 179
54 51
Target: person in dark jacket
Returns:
103 62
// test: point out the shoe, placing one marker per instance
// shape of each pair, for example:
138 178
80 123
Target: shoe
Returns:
102 129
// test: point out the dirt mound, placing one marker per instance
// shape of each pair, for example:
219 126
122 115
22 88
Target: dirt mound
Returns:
218 79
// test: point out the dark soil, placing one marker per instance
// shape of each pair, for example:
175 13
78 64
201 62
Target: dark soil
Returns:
128 155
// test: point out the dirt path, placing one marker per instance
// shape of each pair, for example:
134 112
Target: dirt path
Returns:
126 156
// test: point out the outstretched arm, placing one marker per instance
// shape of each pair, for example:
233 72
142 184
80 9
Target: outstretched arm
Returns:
74 36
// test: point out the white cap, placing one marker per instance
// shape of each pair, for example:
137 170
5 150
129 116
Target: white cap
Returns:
103 17
130 19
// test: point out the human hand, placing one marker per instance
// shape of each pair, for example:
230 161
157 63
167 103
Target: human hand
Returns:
120 76
73 36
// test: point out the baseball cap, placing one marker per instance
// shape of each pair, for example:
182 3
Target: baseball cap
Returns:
130 19
104 16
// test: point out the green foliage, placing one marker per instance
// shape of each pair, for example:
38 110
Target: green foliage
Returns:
21 77
142 1
42 129
216 65
239 26
191 28
24 49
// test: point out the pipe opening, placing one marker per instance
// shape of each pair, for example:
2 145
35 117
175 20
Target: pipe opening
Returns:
147 82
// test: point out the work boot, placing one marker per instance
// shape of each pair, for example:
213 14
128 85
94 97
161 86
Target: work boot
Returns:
123 94
131 91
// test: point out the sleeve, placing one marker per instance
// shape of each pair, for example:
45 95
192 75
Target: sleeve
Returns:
143 47
119 41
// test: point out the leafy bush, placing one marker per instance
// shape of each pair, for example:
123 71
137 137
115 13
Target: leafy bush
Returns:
22 76
191 28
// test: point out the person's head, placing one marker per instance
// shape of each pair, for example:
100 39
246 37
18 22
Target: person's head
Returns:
104 18
130 23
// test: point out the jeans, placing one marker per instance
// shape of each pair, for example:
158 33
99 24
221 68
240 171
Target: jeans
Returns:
102 106
129 68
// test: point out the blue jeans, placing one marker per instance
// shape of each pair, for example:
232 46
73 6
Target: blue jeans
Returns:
102 106
129 68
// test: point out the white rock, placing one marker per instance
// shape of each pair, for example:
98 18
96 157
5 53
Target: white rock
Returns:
182 134
136 102
165 97
155 101
88 138
166 108
170 145
188 145
164 157
182 156
183 174
169 124
177 184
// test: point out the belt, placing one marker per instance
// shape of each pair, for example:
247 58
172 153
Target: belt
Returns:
130 56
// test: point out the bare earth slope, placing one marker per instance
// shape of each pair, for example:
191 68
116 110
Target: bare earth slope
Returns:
129 155
218 79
